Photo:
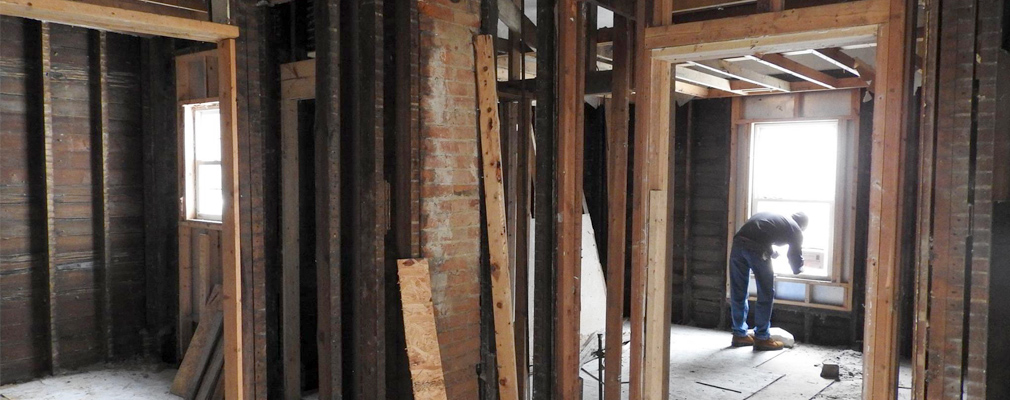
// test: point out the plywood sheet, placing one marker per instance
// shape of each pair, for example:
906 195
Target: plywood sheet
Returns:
419 329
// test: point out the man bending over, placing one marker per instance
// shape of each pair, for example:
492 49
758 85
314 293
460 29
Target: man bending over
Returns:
752 251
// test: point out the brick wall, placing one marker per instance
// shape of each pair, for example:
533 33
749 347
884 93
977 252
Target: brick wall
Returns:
450 212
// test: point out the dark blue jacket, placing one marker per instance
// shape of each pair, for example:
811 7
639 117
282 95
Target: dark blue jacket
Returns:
765 229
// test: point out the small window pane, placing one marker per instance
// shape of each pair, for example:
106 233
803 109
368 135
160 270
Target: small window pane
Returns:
207 134
795 161
209 195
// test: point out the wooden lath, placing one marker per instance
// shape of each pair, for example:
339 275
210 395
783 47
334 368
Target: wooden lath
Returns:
116 19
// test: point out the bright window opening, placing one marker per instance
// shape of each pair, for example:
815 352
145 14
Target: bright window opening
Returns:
205 199
794 168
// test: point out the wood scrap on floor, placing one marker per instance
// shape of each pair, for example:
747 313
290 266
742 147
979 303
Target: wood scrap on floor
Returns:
204 359
419 330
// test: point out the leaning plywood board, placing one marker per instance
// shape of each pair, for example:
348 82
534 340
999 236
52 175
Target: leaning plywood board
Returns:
198 354
494 193
419 330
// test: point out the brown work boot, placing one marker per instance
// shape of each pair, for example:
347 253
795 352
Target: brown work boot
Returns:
767 345
743 341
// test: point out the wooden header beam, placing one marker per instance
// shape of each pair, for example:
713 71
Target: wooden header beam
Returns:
115 19
802 22
785 43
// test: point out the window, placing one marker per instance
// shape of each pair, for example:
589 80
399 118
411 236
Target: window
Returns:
204 198
794 168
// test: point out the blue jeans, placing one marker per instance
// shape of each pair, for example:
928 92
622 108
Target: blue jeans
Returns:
741 262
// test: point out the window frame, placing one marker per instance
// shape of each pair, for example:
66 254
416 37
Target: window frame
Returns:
190 177
797 107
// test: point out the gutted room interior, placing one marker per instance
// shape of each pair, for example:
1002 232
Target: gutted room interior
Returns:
504 199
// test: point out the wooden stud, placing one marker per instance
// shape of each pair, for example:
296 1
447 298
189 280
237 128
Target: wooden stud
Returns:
50 186
885 239
419 324
100 173
230 243
658 285
328 182
494 194
185 323
569 200
640 202
290 251
68 12
546 206
617 198
926 200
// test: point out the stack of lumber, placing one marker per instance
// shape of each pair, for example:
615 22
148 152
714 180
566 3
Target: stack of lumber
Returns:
200 375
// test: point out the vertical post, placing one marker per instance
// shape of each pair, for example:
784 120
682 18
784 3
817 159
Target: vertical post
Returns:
290 251
640 200
569 198
880 367
99 172
617 199
544 293
328 182
230 244
47 156
658 280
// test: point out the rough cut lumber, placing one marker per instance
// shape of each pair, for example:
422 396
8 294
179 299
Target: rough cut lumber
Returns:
419 329
186 381
116 19
617 199
50 186
884 239
569 197
793 21
230 244
657 334
212 376
494 193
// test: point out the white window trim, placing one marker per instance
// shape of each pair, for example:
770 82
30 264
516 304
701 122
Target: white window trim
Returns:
189 162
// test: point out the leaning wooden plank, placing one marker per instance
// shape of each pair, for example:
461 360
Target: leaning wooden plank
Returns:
419 329
494 192
193 365
212 376
116 19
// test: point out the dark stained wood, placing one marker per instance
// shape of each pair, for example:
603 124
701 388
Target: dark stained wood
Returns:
545 206
328 188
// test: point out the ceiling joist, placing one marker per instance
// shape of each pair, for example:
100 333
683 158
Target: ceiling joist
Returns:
685 74
737 72
781 63
854 66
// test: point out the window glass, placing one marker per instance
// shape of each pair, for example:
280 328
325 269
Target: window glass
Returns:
793 168
203 161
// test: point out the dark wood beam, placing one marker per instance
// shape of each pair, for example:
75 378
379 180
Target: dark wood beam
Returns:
511 14
328 176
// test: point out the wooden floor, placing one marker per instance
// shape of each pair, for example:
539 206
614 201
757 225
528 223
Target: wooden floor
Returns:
704 366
